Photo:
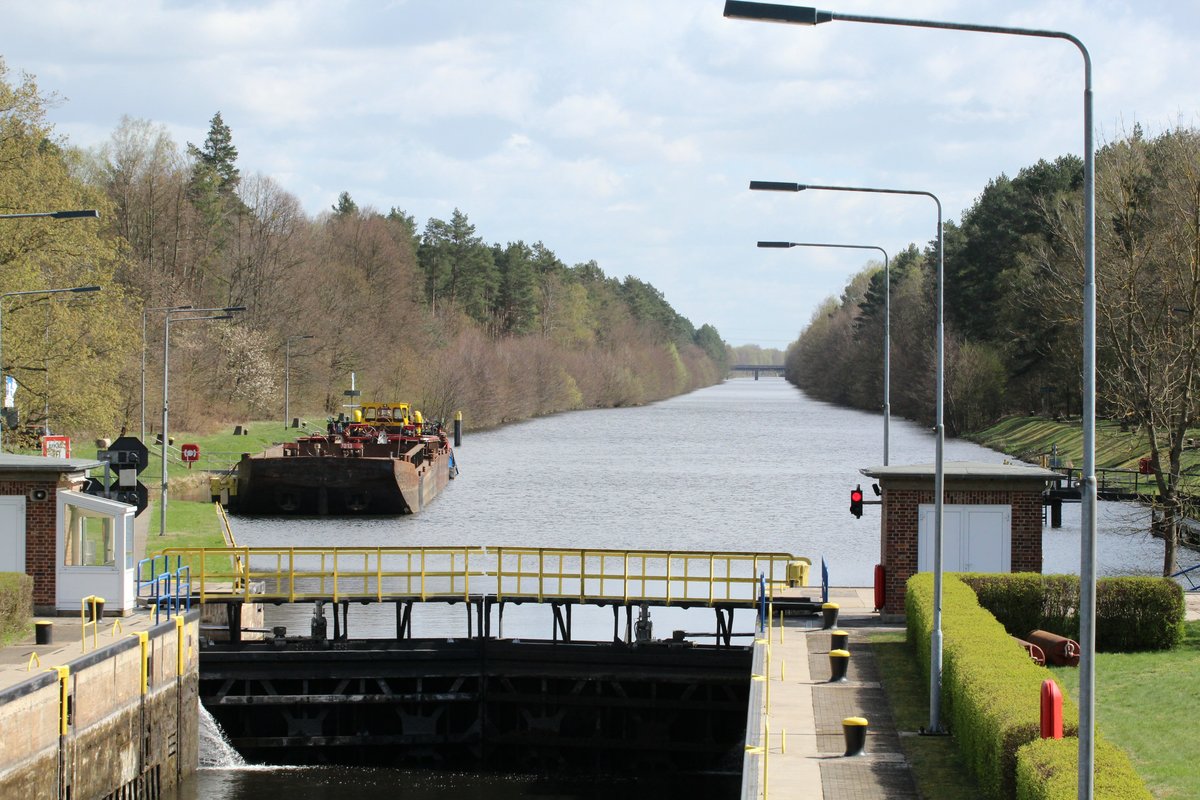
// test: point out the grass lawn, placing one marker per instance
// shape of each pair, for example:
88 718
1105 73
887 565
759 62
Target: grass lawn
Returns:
189 524
1146 703
936 766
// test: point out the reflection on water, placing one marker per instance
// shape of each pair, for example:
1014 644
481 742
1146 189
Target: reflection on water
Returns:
744 466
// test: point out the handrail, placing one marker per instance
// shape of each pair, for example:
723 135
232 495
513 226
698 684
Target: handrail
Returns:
664 577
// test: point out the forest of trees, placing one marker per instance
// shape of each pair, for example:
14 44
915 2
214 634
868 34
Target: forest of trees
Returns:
1013 306
434 315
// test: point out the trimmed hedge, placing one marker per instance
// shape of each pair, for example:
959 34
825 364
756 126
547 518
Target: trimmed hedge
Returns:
16 604
1131 613
1048 769
991 690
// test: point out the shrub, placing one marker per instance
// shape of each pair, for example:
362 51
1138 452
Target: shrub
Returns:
991 691
1131 613
990 688
1048 769
16 603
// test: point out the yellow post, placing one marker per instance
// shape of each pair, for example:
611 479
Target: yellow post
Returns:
179 653
766 749
63 699
143 638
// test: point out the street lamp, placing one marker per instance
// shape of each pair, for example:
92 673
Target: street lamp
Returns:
146 312
162 521
72 289
887 323
287 366
772 12
939 475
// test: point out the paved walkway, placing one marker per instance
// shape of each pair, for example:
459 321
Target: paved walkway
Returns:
18 662
806 745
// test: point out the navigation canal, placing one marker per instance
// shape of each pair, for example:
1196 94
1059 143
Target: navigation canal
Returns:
746 465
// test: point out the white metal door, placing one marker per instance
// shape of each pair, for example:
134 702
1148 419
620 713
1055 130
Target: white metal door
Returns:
974 539
12 533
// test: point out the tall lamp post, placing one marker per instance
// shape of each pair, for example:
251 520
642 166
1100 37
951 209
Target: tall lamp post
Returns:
72 289
227 313
939 476
287 370
83 213
887 324
145 313
773 12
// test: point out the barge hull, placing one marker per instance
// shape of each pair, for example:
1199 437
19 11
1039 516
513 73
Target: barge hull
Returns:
320 485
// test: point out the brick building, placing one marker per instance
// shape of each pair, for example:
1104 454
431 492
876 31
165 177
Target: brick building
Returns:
992 521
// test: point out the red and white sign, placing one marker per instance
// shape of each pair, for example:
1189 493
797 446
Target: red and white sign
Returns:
56 446
189 453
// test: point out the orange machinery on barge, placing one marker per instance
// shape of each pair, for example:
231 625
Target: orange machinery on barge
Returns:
385 459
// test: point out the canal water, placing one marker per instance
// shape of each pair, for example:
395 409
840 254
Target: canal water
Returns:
743 466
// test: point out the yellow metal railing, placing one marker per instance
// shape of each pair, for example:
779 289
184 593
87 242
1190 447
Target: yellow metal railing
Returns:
507 573
302 573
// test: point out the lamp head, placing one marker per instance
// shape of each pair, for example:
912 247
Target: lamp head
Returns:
776 186
86 289
89 212
775 245
773 12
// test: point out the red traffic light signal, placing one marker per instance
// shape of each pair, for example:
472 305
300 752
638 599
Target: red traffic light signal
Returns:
856 501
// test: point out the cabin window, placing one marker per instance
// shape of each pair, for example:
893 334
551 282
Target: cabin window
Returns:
89 540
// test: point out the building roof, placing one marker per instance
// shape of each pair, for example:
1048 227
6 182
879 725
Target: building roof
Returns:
10 462
962 471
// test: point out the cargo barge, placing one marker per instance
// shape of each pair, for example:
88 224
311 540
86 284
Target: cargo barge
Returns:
385 459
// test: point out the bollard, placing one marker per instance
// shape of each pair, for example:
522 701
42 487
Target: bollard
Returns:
1052 713
458 429
830 613
97 609
855 731
839 663
838 640
43 632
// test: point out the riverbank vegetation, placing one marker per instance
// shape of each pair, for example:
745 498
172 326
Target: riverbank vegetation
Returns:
1013 309
430 314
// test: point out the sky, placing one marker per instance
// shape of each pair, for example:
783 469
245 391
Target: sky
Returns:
625 131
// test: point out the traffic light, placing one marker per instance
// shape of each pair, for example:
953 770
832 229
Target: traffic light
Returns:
856 501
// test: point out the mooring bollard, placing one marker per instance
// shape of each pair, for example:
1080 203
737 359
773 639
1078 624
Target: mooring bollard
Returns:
839 663
855 731
43 632
830 613
838 640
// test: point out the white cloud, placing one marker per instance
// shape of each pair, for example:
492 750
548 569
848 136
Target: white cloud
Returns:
623 130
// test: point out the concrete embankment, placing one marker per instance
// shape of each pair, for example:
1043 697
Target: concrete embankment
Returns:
109 711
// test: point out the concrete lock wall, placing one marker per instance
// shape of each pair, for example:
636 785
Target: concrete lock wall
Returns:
132 721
